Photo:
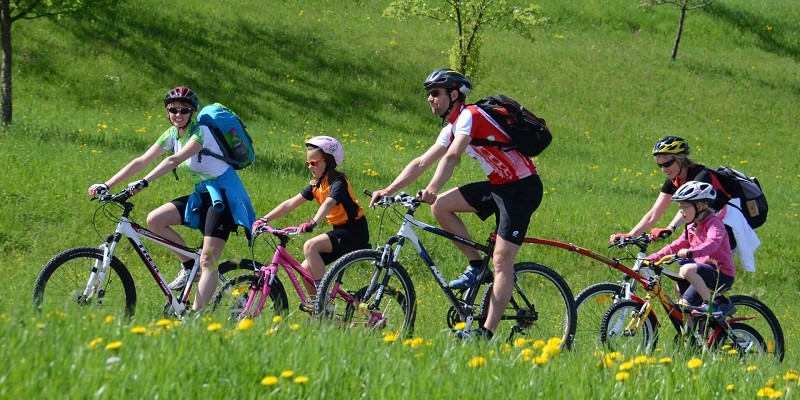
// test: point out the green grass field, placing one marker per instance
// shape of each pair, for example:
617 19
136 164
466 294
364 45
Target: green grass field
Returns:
87 99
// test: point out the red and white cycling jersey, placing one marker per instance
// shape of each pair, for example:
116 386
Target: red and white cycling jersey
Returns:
500 166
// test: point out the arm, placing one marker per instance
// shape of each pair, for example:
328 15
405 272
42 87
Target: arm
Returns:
136 165
655 213
285 207
191 148
411 172
324 209
445 168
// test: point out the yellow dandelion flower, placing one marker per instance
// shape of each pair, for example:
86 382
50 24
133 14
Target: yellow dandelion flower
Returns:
477 361
390 338
551 350
769 393
460 326
540 360
641 360
287 374
626 366
245 324
213 327
622 376
39 326
791 376
271 331
694 363
138 330
526 354
109 319
301 380
294 327
269 380
665 360
521 342
114 345
751 368
277 319
539 344
164 323
413 343
733 352
731 387
94 342
554 341
240 291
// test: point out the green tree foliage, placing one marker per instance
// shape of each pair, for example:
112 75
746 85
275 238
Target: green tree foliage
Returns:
470 17
683 6
15 10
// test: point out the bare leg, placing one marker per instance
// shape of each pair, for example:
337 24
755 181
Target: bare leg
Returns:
313 262
212 249
445 209
689 272
161 220
504 255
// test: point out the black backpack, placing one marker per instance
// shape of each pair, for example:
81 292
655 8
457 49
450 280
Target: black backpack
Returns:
529 134
747 188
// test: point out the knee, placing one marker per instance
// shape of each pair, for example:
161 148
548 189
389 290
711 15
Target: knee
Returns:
687 269
310 247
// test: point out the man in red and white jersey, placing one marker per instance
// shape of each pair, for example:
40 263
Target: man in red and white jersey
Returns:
512 191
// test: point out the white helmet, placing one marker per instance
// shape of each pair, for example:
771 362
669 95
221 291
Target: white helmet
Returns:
695 192
329 146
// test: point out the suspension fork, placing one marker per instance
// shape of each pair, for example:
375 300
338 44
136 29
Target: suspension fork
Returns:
100 267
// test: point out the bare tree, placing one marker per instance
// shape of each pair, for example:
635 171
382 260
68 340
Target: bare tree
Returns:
683 6
14 10
470 17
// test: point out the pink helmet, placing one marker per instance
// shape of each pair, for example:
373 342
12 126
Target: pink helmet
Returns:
329 146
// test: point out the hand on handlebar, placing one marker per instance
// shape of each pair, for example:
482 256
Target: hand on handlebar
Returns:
137 186
98 189
376 196
307 226
259 226
427 196
616 237
660 233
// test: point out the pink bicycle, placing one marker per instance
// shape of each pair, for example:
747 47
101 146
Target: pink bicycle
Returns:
247 296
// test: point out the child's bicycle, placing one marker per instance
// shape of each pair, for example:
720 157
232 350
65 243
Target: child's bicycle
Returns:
541 305
247 296
608 304
94 278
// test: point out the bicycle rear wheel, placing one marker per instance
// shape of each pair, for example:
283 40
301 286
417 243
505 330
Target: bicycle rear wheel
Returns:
748 340
763 321
232 297
60 285
353 286
591 304
616 334
541 306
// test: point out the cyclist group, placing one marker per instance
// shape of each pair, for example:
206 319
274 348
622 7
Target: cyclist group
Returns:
511 192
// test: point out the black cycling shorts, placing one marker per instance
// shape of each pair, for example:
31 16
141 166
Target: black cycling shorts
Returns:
212 223
346 238
512 204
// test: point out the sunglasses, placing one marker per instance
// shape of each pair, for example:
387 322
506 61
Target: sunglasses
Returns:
314 162
177 111
666 164
435 93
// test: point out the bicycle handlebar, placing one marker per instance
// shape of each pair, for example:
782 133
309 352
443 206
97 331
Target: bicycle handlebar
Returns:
405 199
120 197
287 231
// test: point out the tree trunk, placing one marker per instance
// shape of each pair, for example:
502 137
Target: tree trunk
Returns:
680 30
5 43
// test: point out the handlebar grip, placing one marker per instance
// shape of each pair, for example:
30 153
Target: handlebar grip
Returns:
367 192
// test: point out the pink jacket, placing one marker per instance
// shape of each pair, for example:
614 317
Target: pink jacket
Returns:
707 241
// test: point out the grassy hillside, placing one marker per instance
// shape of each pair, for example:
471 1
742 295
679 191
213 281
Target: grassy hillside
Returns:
88 90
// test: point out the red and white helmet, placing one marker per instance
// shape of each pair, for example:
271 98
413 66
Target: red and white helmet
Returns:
329 146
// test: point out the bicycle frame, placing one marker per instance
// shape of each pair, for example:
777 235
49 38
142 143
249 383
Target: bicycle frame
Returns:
652 285
134 233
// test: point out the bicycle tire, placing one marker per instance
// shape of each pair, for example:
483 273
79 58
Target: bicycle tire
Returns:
233 296
534 310
355 274
766 323
612 329
242 264
60 284
590 306
751 341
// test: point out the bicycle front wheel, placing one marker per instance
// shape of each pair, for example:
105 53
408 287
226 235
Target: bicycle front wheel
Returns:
591 304
541 306
623 329
358 292
229 268
758 316
61 286
232 298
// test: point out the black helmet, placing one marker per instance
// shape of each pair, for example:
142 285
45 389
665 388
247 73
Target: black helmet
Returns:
182 93
671 145
448 79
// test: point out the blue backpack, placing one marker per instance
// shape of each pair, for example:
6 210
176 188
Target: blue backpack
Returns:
229 131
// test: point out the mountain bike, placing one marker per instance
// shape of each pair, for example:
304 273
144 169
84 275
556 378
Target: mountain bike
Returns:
541 305
246 296
762 326
94 278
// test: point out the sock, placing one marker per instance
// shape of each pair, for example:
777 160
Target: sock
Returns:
188 264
